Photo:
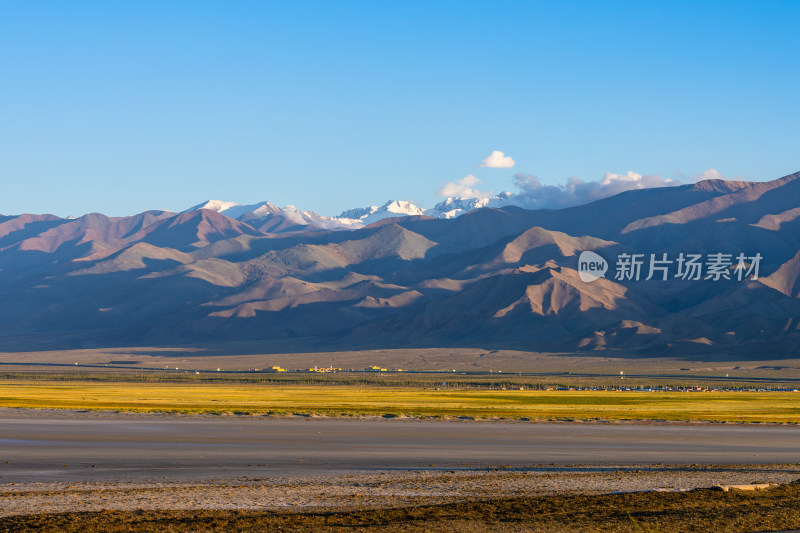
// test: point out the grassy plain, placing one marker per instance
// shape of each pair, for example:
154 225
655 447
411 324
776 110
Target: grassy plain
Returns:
371 400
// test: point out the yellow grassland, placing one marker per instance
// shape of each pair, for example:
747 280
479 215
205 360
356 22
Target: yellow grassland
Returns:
255 399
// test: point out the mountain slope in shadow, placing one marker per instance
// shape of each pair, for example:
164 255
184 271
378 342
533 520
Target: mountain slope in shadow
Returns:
491 277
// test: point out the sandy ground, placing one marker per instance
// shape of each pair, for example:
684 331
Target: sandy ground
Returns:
71 461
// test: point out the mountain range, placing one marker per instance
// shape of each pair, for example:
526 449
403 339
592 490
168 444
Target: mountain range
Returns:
468 273
269 218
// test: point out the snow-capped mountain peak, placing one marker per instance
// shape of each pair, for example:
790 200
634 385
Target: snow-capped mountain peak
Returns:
256 214
392 208
238 211
214 205
358 212
453 207
400 207
263 209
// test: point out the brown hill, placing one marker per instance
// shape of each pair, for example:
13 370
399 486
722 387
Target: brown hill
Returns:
192 230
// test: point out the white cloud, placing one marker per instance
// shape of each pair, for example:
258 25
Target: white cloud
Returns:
498 159
617 183
710 174
533 194
463 188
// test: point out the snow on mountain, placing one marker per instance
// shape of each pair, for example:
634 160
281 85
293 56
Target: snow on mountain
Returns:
266 210
453 207
312 218
214 205
392 208
357 213
352 218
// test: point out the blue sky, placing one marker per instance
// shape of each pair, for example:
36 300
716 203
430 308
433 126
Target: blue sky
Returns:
122 106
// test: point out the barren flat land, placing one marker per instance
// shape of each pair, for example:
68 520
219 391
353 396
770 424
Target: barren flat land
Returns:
246 356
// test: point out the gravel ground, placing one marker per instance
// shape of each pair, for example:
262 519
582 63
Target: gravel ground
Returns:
773 509
380 489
